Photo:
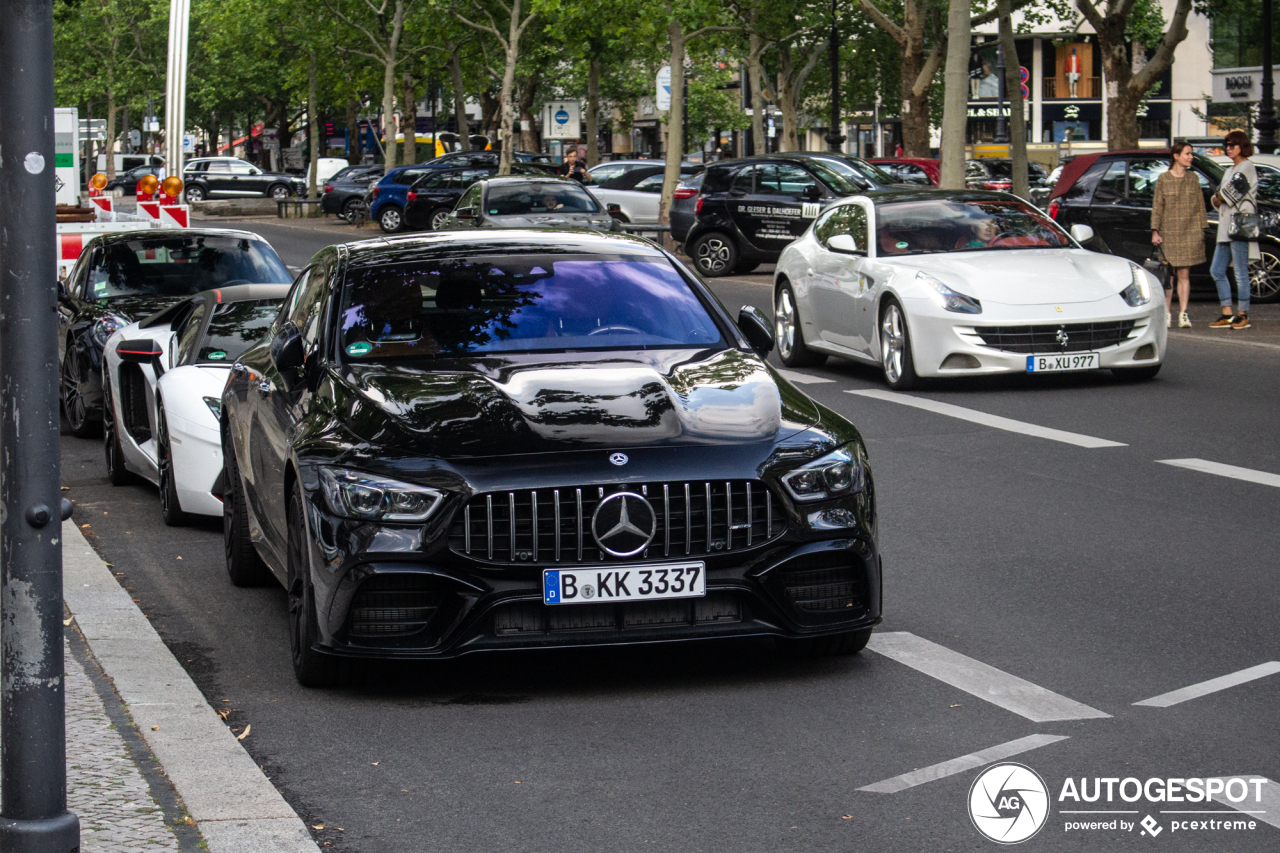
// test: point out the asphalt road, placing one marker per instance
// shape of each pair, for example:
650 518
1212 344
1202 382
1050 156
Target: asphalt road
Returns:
1099 576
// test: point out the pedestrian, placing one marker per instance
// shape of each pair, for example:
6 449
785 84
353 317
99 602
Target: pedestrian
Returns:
1238 193
897 151
571 168
1178 221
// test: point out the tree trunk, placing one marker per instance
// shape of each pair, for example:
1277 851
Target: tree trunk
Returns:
353 131
787 98
1013 84
956 102
490 109
460 101
111 135
1121 99
409 119
388 114
528 94
593 112
508 89
755 75
675 128
915 108
313 127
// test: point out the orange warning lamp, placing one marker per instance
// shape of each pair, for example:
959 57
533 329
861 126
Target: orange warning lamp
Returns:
172 188
147 186
96 184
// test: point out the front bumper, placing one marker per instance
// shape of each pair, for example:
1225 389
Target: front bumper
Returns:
946 343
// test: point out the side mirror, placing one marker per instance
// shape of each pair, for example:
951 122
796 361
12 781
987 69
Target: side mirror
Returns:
844 244
139 351
614 209
287 354
812 193
465 213
757 329
1082 233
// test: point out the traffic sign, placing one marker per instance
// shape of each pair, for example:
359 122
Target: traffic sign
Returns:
1024 73
664 89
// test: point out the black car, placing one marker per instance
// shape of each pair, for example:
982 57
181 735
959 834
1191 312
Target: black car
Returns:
432 197
231 177
454 159
120 278
347 188
1112 193
128 181
459 442
996 173
751 208
530 202
684 206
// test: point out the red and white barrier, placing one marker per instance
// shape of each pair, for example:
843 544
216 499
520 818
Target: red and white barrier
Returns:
103 207
175 216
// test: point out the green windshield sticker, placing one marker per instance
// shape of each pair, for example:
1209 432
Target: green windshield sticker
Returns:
902 244
493 212
216 355
360 348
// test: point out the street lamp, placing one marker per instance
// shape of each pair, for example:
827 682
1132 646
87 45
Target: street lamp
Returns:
835 139
1267 122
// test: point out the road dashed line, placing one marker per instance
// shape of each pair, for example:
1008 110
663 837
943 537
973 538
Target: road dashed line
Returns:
1206 467
802 378
1213 685
958 765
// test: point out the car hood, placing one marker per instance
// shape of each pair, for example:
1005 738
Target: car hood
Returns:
1027 276
596 221
538 404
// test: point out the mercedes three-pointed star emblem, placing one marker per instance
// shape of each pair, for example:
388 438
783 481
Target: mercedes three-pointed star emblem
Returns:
624 524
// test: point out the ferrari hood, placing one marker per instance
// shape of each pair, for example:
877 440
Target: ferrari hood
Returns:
1027 276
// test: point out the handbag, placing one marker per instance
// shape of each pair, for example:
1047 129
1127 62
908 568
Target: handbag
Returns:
1157 264
1246 227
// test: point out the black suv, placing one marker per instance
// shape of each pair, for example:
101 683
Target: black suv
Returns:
1112 193
751 208
231 177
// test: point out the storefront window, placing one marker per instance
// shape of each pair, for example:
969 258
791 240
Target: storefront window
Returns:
1234 35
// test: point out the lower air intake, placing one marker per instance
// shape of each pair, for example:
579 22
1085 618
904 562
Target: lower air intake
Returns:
393 606
829 589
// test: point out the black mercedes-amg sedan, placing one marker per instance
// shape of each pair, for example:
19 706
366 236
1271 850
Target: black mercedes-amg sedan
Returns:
455 442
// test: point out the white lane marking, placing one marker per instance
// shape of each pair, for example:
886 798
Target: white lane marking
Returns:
1266 807
974 416
1213 685
803 378
1206 467
961 764
986 682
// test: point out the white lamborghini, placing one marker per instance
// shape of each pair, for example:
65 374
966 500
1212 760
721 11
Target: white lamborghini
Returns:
162 390
961 283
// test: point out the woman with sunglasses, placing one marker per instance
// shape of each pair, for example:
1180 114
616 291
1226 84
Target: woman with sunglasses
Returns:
1238 193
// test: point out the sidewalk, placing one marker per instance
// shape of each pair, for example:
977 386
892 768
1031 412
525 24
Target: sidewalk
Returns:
150 766
1264 321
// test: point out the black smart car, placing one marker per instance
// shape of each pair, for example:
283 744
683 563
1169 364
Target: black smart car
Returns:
526 439
120 278
750 209
432 197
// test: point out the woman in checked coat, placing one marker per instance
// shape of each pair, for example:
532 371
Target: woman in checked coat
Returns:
1177 226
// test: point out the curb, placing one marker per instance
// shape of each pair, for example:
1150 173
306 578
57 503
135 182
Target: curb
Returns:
236 808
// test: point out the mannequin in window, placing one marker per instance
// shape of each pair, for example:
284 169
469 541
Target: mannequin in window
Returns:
1073 71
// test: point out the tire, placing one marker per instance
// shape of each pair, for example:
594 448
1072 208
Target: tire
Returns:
279 192
744 267
437 219
1135 374
390 219
1264 276
349 210
895 348
170 506
83 423
832 645
311 667
195 193
117 474
244 566
786 329
714 254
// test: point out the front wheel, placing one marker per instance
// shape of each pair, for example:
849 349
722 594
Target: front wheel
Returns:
833 645
714 254
438 218
895 348
170 507
311 667
1264 276
244 566
390 220
79 418
279 192
786 322
195 194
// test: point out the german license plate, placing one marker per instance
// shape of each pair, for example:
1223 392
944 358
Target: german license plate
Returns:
1062 363
646 582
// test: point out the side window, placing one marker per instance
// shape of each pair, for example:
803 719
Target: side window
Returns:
744 181
96 273
466 179
315 299
1142 179
435 182
290 306
1088 182
850 219
471 198
651 184
793 180
241 169
189 334
909 174
1111 187
607 173
824 227
974 170
217 166
1206 184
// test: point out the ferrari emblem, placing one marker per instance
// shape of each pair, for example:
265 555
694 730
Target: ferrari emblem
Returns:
1059 307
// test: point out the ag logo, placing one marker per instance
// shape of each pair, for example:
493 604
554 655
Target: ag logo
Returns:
1008 803
809 209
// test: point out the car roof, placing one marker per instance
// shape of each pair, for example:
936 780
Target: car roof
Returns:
1080 164
933 193
918 161
527 179
366 253
180 232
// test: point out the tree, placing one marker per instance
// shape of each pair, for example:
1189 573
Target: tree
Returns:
956 99
1013 85
1126 86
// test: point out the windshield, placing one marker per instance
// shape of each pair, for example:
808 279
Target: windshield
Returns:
523 303
235 327
519 199
858 168
956 225
834 178
182 265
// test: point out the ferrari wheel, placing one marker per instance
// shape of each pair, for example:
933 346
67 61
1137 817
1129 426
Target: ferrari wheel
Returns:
895 348
786 322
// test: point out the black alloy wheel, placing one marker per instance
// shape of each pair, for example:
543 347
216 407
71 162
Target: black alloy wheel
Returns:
244 566
117 474
1264 275
350 209
391 219
170 506
786 331
714 254
79 418
895 348
832 645
311 667
195 193
279 192
438 217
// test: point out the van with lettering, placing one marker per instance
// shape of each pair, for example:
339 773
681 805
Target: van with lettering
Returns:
751 208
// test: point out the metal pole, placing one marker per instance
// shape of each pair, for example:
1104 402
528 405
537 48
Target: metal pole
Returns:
33 776
1002 127
835 139
1267 122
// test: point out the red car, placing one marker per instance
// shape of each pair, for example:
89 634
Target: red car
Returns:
911 170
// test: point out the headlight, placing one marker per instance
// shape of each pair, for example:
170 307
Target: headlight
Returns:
948 298
104 327
215 406
352 494
1139 291
837 473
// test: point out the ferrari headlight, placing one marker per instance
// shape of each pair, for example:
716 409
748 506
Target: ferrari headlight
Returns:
104 327
352 494
948 298
838 473
1139 291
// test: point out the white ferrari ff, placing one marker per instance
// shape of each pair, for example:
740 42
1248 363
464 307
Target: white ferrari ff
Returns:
953 283
162 380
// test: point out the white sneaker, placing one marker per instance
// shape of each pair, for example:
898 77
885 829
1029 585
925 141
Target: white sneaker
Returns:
1184 322
1168 321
